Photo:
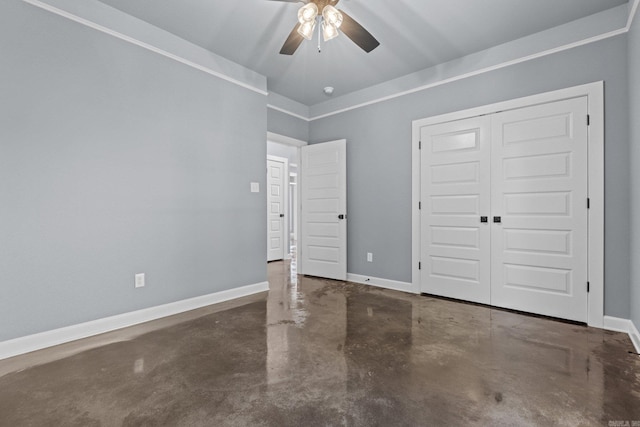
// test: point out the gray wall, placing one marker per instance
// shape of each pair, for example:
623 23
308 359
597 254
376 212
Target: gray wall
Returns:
287 125
634 114
379 157
115 161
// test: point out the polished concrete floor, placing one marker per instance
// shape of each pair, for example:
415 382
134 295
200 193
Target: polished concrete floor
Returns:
317 352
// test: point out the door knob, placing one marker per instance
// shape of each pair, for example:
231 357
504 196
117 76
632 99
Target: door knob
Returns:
484 219
341 216
497 219
281 215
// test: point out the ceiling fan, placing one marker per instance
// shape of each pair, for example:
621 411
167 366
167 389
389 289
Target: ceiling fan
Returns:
331 19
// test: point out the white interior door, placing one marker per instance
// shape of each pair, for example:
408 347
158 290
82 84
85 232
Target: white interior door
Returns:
276 207
455 187
539 191
323 200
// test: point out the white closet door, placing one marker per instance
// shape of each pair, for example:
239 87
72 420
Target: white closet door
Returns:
455 187
539 193
275 209
323 198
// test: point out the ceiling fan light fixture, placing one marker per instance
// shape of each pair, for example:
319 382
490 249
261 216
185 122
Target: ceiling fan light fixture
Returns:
329 31
306 29
331 22
307 13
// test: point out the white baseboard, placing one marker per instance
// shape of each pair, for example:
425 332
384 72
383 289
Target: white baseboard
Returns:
616 324
623 325
382 283
67 334
635 336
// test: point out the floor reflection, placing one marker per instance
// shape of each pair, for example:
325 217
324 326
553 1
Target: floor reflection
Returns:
321 352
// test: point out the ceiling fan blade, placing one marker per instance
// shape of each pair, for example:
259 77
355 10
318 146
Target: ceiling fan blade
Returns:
358 34
293 42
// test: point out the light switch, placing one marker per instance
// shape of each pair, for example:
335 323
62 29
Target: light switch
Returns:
255 187
139 280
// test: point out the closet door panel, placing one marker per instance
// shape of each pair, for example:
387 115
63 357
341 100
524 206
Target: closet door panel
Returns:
455 194
539 193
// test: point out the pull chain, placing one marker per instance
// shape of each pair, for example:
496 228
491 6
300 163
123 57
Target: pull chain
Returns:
319 34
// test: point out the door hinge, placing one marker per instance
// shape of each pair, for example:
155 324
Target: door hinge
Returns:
588 287
588 120
419 145
588 203
419 205
419 266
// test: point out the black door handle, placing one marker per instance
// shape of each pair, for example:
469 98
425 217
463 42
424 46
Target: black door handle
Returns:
281 215
341 216
484 219
497 219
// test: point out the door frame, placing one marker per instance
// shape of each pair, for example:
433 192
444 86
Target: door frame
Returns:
285 207
595 185
297 143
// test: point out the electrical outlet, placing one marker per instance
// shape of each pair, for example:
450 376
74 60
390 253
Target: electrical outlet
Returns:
139 282
369 257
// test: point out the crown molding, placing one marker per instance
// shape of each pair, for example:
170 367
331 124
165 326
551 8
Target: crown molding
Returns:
609 23
290 113
474 73
633 9
108 20
113 22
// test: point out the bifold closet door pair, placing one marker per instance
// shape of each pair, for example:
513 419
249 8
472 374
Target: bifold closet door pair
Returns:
504 209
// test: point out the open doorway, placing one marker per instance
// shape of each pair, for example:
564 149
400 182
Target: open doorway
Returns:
283 147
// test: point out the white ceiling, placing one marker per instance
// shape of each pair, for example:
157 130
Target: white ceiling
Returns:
413 35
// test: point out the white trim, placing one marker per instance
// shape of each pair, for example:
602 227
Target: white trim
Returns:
282 139
382 283
595 188
142 44
477 72
416 229
67 334
634 335
616 324
282 110
623 325
595 96
632 13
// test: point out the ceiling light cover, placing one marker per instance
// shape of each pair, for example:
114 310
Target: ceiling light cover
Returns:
307 13
306 29
332 16
329 31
